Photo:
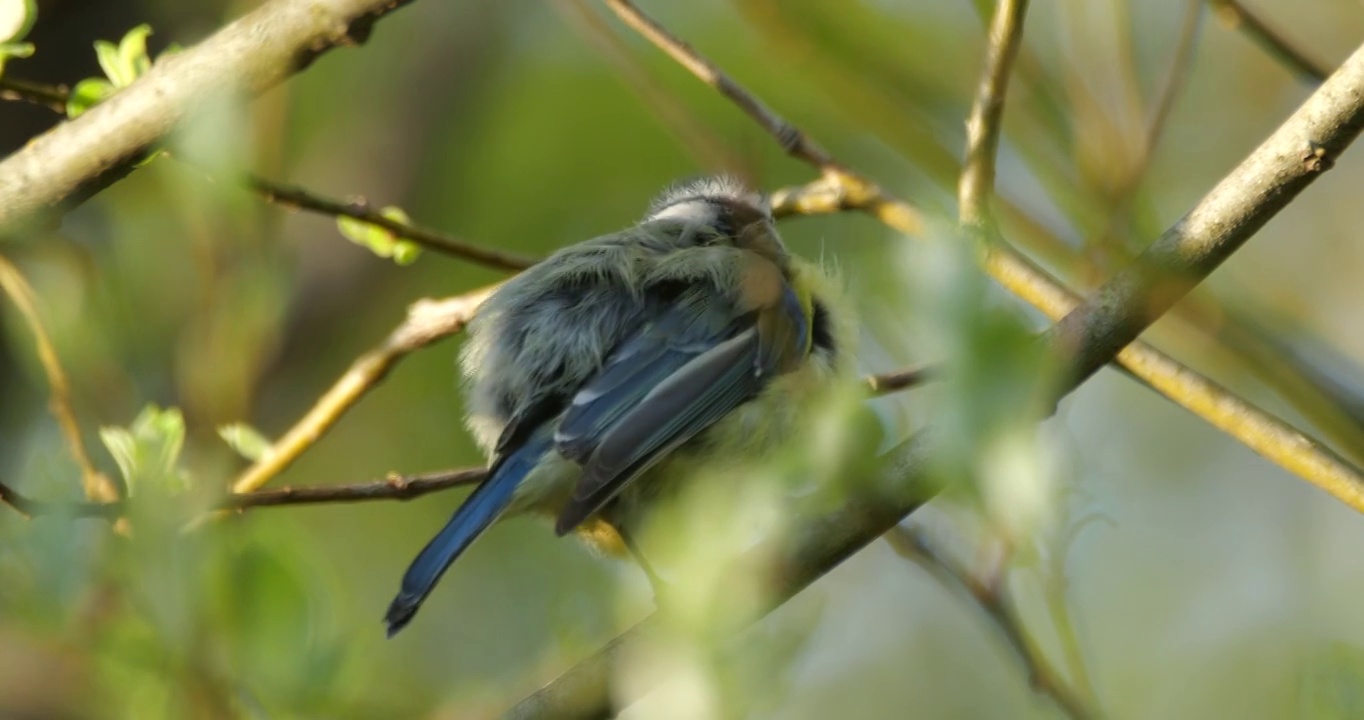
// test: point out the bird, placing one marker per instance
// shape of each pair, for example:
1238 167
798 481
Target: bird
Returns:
604 377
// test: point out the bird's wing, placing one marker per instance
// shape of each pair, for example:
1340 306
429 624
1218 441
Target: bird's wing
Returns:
681 372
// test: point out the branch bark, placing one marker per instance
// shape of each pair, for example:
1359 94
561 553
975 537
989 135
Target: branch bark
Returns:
251 55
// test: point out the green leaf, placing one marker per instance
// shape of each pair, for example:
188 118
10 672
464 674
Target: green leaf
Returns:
107 54
132 51
406 252
1331 685
381 241
87 94
148 450
246 440
16 19
127 61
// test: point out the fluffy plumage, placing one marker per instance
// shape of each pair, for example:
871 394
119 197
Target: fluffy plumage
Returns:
593 377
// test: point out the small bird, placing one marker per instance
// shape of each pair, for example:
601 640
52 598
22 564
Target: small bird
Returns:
611 371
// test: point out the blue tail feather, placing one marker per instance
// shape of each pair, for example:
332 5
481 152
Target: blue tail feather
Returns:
479 511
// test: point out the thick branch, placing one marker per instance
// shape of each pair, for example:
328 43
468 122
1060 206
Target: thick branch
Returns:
251 55
1304 147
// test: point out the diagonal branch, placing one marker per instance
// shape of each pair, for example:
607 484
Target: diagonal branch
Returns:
427 321
97 485
1236 15
300 199
251 55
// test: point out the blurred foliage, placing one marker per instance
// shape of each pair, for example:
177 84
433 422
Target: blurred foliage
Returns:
1220 586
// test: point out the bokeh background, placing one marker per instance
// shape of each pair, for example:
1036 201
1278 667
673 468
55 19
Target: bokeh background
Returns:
1200 579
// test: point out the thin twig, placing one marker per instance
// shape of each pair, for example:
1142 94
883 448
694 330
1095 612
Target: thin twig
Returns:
300 199
1176 78
1239 17
30 508
297 198
993 599
792 140
890 382
984 124
393 487
52 97
707 148
427 321
840 189
96 484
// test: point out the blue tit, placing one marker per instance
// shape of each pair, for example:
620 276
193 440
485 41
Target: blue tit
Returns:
687 339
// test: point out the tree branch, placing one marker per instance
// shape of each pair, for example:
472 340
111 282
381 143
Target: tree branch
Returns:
984 124
52 97
427 321
887 383
97 485
1239 17
300 199
393 487
250 55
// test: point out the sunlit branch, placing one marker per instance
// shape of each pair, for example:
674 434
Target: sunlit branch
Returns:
984 124
427 321
97 485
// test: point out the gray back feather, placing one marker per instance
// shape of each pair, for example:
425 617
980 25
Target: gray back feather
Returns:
548 330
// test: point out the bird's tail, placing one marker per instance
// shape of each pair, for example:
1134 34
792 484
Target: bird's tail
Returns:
480 509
